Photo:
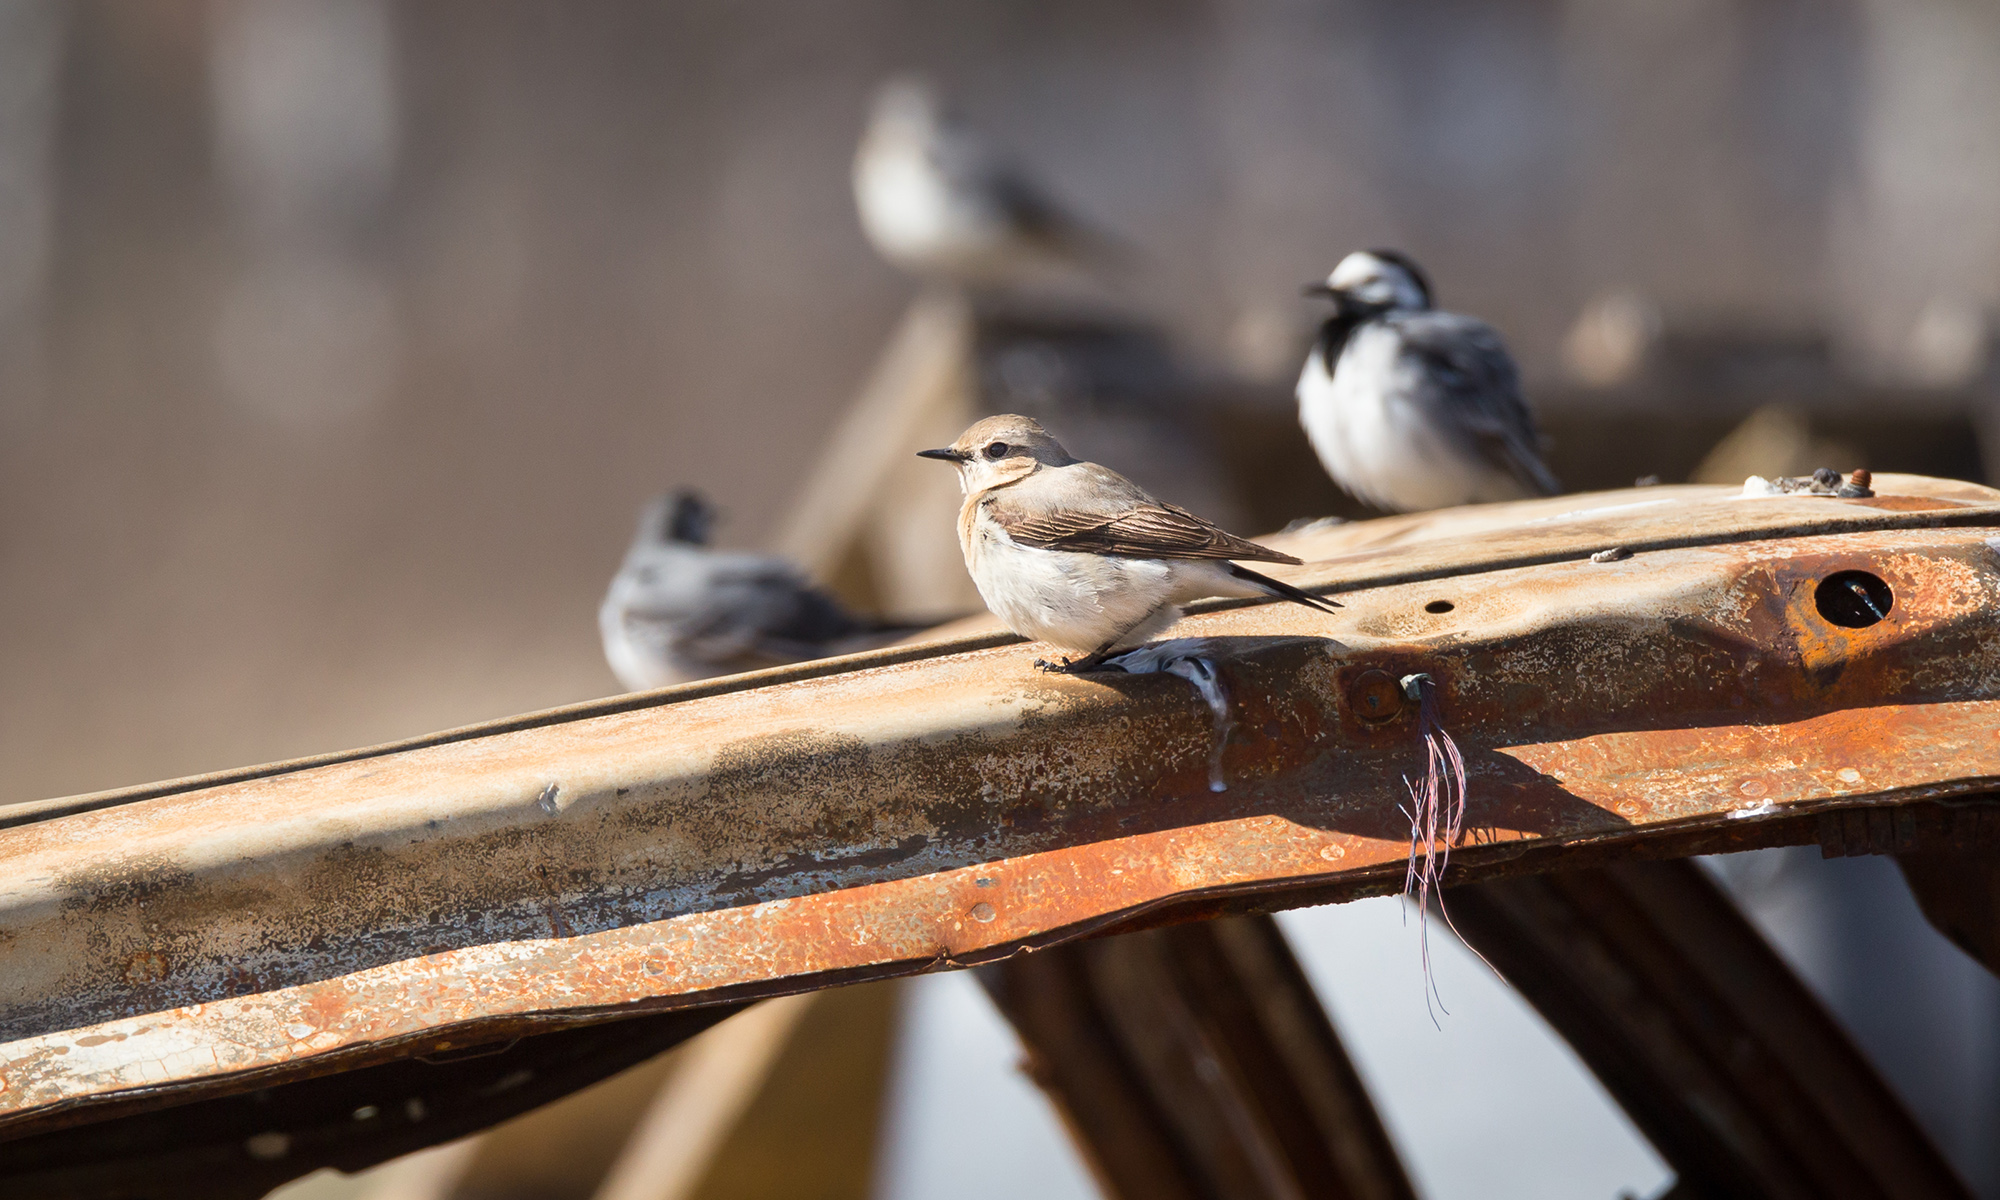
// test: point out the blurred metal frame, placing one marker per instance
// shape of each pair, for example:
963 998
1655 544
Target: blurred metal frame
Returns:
944 805
1196 1061
226 1146
1717 1051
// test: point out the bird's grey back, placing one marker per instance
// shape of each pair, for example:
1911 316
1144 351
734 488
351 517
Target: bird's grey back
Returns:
703 592
1470 385
676 612
1081 487
981 173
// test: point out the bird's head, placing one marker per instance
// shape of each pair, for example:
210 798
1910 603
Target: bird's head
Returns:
1368 282
683 516
1000 450
906 106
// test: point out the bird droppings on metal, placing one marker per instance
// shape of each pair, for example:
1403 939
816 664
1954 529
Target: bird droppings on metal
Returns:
1193 659
864 817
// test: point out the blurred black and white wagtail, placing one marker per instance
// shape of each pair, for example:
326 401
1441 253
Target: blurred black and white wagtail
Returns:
1409 408
678 610
937 199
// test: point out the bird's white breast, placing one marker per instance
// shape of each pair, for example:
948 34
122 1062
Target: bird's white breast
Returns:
1072 600
1376 439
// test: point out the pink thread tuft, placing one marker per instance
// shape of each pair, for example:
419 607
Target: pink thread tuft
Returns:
1437 817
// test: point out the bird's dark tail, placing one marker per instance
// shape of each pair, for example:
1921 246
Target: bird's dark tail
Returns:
1283 590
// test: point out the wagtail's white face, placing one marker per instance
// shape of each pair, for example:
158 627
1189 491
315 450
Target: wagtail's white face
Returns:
1000 450
1371 281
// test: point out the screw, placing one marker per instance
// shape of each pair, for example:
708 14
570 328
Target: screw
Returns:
1374 697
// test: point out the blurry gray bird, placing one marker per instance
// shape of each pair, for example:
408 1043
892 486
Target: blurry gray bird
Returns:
936 199
678 610
1076 555
1409 408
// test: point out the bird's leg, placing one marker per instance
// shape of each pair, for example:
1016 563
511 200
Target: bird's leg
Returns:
1098 657
1104 653
1069 666
1092 660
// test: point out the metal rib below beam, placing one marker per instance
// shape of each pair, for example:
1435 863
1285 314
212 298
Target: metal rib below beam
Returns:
1717 1051
1196 1062
240 1146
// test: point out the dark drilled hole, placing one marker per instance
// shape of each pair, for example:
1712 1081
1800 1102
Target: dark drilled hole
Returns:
1853 599
1438 606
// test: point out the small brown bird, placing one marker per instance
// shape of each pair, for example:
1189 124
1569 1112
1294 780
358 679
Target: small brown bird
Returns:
1076 555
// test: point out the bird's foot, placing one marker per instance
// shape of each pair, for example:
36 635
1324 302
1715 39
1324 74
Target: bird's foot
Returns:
1073 666
1090 662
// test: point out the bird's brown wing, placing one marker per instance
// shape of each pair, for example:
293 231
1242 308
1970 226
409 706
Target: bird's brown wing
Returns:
1155 530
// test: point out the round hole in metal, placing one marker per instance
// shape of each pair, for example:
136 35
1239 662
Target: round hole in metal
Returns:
1438 606
1853 599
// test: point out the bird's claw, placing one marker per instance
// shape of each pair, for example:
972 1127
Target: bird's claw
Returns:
1054 668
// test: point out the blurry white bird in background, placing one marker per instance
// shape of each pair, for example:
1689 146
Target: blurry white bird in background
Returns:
937 199
1409 408
678 610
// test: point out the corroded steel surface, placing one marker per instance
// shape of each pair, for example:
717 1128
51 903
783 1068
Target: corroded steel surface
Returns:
945 804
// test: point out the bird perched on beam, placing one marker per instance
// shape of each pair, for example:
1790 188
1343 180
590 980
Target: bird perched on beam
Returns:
1410 408
1076 555
678 610
937 199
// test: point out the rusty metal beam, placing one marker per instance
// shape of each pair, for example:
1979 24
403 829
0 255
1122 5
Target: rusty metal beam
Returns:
1196 1062
240 1146
1718 1052
945 804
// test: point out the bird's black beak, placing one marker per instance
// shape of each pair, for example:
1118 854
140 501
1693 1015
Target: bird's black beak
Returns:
1320 289
948 454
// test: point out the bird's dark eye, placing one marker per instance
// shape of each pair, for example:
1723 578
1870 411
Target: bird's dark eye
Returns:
996 450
